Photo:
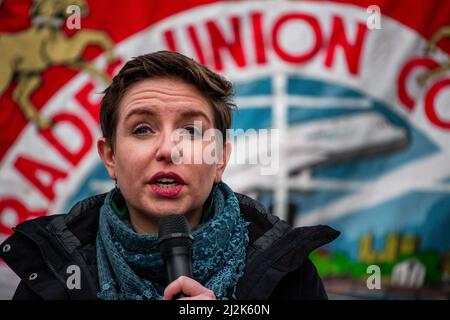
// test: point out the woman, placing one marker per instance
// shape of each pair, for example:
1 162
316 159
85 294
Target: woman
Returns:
154 117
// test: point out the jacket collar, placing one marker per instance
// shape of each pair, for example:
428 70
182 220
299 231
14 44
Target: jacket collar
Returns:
287 253
276 249
50 245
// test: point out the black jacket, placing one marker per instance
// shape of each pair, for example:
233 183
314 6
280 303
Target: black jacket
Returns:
277 267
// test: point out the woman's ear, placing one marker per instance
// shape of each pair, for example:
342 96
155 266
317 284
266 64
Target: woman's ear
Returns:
106 153
223 163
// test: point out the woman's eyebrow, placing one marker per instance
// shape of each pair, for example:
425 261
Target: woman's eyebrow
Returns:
194 114
140 111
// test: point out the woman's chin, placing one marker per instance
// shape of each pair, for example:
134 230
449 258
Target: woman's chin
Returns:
163 211
161 207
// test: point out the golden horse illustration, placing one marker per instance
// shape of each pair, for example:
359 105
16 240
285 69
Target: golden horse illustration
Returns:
442 33
28 53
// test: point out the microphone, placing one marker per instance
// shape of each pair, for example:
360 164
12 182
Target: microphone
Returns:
175 245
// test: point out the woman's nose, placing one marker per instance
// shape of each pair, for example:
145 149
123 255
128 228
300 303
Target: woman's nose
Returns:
167 148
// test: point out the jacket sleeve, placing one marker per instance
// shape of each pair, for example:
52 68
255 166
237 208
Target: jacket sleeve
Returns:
301 284
311 286
25 293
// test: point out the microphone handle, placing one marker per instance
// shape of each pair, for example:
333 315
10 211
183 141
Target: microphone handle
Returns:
178 263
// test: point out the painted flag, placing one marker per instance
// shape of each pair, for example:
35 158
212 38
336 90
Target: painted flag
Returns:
359 89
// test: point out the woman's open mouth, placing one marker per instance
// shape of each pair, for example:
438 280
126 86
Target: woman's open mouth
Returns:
166 184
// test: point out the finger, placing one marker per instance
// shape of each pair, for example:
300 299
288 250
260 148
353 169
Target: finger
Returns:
200 297
183 284
188 286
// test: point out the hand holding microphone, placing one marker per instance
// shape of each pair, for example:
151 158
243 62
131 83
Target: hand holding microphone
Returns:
175 245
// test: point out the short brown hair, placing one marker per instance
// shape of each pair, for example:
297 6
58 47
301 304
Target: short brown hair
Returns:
214 87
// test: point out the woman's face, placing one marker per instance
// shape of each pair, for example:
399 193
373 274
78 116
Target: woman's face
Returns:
141 160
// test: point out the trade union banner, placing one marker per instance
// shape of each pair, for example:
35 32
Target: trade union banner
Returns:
360 90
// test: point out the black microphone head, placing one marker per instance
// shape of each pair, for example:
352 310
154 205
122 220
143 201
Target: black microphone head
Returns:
175 223
173 231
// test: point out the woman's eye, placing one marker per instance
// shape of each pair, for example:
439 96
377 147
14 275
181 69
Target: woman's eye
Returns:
142 130
193 131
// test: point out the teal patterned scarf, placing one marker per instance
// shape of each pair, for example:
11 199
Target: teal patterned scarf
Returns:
130 266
